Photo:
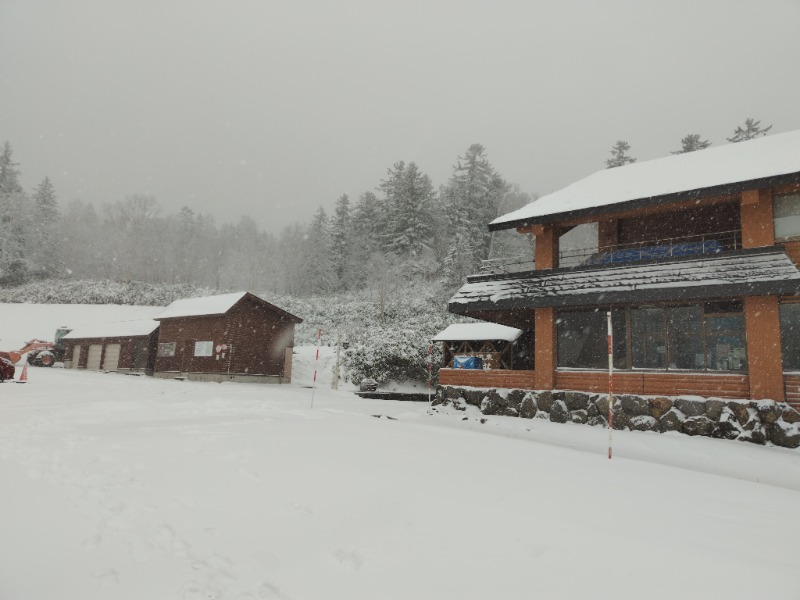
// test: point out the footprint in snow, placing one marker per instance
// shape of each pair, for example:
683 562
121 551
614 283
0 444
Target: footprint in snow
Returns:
349 559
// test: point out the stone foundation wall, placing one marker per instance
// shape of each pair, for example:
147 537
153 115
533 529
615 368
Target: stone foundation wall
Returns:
753 421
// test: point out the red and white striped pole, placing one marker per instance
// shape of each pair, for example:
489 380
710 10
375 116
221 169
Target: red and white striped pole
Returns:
316 362
430 374
610 382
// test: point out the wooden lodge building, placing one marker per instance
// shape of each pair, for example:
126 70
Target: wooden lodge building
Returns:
695 255
124 346
231 337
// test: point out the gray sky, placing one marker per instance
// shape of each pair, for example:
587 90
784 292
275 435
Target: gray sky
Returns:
272 108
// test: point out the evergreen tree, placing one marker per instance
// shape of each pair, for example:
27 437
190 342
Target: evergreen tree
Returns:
46 252
692 143
341 237
751 130
319 265
619 155
14 222
408 206
471 200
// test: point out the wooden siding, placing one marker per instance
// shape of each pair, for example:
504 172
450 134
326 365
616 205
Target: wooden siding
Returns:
792 383
657 384
127 353
679 224
258 334
525 380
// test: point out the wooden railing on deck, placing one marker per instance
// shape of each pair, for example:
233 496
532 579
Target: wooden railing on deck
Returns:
488 378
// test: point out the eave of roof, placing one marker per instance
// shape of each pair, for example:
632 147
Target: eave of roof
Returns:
758 271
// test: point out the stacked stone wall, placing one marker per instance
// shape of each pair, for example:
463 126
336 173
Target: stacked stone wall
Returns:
753 421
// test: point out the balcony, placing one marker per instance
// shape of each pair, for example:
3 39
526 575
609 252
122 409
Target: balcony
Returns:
691 245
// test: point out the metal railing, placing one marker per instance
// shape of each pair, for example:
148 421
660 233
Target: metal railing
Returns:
501 266
688 245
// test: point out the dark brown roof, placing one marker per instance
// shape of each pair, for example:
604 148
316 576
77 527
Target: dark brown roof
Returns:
758 271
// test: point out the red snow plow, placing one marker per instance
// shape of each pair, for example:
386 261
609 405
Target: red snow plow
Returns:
41 353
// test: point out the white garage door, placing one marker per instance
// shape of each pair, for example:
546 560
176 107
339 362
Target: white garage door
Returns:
76 356
93 357
111 361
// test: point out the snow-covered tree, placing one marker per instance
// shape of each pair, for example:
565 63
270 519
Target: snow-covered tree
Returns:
619 155
14 222
341 227
45 251
320 276
408 209
751 130
692 143
470 201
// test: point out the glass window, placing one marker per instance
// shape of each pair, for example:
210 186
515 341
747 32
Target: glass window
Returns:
167 349
725 343
786 208
619 324
203 348
790 336
648 346
684 324
582 339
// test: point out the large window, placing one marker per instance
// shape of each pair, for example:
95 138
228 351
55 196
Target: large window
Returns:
786 208
790 336
203 348
698 337
166 349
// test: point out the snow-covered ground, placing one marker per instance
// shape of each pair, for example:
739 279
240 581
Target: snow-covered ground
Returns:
129 487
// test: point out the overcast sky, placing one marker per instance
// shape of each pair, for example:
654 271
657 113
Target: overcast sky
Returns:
273 108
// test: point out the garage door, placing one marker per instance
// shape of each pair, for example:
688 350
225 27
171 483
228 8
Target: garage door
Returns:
111 361
76 357
93 357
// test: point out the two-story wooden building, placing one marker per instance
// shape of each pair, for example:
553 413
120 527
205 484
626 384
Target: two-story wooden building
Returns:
695 255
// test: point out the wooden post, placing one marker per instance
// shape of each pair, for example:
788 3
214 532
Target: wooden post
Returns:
546 246
545 348
758 226
764 359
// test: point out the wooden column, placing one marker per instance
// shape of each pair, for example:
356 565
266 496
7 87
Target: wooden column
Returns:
758 227
607 233
546 246
764 360
545 348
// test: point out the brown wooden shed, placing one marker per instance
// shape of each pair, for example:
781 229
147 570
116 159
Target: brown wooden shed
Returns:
124 346
231 337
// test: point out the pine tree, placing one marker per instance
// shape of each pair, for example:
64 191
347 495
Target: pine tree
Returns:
408 206
619 155
751 130
341 237
45 253
319 266
14 222
471 200
692 143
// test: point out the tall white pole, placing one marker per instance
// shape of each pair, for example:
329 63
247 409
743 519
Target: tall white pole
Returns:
430 375
610 382
316 362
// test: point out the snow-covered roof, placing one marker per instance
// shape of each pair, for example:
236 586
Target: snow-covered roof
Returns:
196 307
757 271
114 329
477 331
765 157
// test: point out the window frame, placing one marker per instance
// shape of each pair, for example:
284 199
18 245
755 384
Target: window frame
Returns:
666 307
206 346
166 349
775 199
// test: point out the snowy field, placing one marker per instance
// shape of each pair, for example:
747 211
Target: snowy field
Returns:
123 487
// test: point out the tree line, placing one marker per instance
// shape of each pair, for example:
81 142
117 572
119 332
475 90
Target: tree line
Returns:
403 229
690 143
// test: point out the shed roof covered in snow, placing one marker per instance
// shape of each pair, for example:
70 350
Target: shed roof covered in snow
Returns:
459 332
215 305
757 271
115 329
719 170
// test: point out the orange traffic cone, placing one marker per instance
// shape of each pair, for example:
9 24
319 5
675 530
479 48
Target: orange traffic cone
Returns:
23 378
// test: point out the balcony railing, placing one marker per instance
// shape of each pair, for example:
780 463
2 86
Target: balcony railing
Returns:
689 245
